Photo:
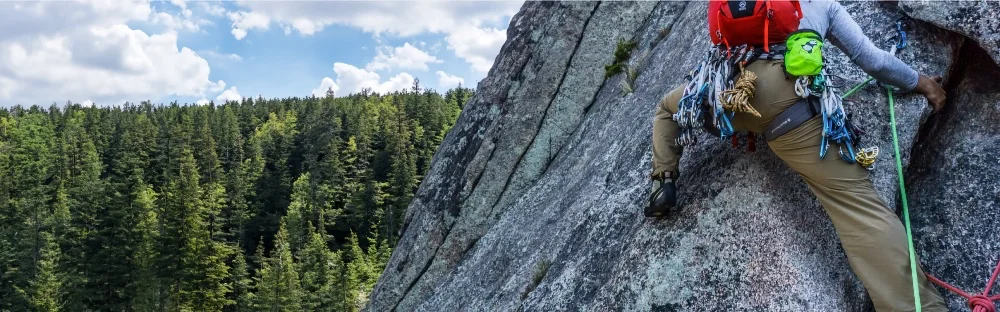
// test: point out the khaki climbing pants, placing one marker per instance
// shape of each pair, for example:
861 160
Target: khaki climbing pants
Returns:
871 234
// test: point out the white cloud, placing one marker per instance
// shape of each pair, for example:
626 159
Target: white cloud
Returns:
58 51
179 3
229 95
202 101
212 9
175 23
404 18
351 79
244 21
404 57
239 33
446 81
87 103
218 86
222 56
463 22
324 86
477 46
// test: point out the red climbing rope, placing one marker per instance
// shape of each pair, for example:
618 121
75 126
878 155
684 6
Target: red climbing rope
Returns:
978 303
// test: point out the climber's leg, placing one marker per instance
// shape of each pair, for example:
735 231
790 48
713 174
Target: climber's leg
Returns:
872 235
666 152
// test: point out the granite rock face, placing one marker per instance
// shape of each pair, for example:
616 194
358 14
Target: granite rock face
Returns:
534 201
978 20
955 181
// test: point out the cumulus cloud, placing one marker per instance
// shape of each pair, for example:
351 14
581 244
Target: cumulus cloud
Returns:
57 51
462 22
222 56
351 79
179 3
244 21
229 95
403 18
212 9
404 57
324 86
446 81
477 46
202 102
176 23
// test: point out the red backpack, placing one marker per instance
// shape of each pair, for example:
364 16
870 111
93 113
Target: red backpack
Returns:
754 23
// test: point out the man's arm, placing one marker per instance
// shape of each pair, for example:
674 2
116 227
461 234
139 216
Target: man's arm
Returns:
846 34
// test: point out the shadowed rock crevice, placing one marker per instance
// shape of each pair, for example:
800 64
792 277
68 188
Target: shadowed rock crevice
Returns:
550 162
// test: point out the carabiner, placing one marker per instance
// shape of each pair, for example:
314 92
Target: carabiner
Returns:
902 34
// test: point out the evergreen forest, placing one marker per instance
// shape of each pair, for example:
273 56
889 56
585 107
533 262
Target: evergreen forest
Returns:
291 204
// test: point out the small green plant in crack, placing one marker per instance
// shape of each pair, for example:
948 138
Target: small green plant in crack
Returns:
540 270
622 53
632 73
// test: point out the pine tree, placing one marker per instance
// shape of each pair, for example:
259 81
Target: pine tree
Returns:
80 167
358 274
237 182
29 160
242 295
148 289
298 214
278 286
402 174
203 142
192 262
276 137
45 291
320 275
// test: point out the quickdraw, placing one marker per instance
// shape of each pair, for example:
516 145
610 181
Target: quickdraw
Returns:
836 128
710 87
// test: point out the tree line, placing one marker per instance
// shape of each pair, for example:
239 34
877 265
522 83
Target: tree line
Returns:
289 204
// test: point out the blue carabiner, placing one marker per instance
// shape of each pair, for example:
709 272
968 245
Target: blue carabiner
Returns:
902 35
823 141
849 157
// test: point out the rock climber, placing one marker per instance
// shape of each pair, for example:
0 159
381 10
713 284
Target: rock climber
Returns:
790 107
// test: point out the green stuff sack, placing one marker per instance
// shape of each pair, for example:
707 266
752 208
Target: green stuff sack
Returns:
804 53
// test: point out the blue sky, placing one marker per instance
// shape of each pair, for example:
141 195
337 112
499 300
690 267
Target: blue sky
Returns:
109 52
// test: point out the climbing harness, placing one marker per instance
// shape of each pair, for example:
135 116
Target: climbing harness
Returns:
978 303
712 97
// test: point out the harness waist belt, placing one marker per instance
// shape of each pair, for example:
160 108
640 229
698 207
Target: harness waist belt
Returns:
792 117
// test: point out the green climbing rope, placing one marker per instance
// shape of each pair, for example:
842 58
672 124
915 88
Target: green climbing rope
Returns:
902 189
906 206
857 87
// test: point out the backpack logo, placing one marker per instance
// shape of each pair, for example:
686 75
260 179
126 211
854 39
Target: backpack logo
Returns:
808 46
742 8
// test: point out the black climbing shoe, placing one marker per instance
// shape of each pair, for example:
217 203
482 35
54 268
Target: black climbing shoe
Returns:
663 197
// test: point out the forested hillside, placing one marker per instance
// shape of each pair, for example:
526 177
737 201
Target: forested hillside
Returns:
263 205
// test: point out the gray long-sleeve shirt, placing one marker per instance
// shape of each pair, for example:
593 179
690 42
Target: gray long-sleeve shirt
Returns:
829 18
